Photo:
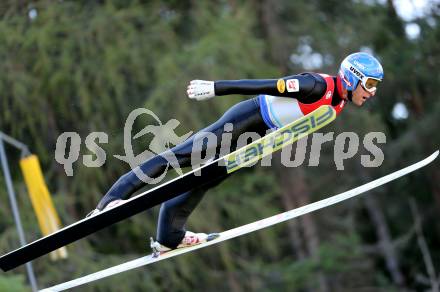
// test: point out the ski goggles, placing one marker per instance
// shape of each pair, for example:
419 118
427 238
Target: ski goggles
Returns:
368 83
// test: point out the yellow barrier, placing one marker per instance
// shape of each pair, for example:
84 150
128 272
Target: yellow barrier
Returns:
41 201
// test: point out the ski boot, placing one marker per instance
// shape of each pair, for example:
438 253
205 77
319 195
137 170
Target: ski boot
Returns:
110 205
190 239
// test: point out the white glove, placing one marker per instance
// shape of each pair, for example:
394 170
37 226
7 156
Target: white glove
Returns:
201 89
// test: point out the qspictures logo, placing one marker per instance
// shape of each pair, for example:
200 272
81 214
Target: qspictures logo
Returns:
205 146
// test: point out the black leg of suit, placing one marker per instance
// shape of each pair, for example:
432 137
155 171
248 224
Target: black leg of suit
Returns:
244 116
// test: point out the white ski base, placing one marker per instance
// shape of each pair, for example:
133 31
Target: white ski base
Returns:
245 229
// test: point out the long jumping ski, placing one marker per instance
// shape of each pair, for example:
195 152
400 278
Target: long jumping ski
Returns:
245 229
243 157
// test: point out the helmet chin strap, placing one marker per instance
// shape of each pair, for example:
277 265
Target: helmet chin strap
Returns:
350 92
341 89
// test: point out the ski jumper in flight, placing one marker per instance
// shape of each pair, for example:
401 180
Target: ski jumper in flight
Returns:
277 103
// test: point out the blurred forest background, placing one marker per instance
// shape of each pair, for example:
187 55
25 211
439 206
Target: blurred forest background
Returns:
85 65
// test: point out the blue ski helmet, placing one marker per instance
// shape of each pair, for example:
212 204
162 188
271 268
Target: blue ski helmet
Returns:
360 67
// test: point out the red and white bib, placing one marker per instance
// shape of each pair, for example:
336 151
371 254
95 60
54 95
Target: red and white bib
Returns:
279 111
